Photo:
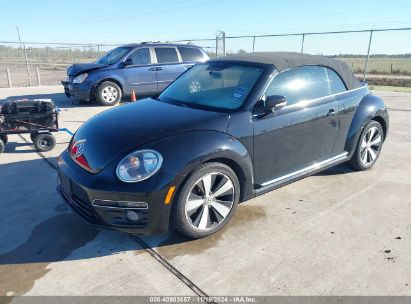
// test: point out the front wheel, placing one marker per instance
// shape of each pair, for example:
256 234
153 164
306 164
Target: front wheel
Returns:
108 93
368 147
207 201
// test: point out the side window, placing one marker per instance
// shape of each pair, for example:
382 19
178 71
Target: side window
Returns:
336 84
190 54
141 56
166 55
303 83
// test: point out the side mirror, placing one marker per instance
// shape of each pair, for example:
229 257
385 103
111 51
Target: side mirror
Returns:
274 102
128 61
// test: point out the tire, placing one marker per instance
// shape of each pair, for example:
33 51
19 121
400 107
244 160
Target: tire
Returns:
2 145
44 142
4 138
32 137
108 93
368 147
206 213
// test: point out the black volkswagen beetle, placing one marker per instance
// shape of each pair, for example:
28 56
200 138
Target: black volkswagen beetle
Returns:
225 131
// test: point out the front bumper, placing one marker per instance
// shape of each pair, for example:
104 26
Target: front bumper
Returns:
81 189
79 91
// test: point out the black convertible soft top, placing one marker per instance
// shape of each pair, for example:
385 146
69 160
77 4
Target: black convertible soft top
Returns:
286 60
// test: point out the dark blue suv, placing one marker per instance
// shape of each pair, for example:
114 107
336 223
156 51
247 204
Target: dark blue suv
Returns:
145 68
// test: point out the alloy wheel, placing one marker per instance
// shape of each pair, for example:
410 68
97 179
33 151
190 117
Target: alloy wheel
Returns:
370 146
109 94
210 201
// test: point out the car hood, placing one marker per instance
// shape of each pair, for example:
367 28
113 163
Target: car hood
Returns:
125 128
80 68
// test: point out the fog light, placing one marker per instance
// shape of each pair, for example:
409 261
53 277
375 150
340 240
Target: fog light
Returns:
132 216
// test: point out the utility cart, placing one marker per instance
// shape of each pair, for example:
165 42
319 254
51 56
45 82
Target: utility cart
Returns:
37 117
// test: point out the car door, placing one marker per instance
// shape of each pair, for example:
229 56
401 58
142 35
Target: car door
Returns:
300 134
138 72
347 102
168 67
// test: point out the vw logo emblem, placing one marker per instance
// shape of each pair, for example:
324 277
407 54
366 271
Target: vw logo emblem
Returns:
78 148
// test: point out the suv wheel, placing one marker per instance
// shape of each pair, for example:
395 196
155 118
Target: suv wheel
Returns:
207 201
368 147
108 93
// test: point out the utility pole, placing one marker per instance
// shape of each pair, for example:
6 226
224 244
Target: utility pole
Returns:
25 56
18 34
368 57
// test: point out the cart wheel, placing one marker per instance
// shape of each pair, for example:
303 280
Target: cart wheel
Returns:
44 142
2 145
4 138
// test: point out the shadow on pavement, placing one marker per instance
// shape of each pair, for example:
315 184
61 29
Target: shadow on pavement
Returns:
337 170
38 227
13 147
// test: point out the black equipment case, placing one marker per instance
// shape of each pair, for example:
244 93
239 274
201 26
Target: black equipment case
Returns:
36 117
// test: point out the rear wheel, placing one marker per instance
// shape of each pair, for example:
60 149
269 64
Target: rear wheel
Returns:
207 201
44 142
108 93
368 147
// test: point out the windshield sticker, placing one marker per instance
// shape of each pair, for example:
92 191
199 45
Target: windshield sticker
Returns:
239 92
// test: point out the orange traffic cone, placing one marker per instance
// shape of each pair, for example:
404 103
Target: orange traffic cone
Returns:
133 96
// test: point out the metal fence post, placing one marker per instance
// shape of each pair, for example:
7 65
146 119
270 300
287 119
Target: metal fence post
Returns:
27 63
8 77
253 43
368 56
302 43
216 46
38 76
224 44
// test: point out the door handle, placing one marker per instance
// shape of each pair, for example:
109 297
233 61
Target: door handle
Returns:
155 69
331 113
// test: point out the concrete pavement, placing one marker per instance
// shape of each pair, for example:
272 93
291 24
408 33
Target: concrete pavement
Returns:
339 232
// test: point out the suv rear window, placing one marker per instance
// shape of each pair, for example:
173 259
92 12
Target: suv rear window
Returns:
190 54
166 55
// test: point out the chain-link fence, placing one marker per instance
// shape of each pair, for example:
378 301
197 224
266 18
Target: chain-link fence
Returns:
380 56
27 64
366 51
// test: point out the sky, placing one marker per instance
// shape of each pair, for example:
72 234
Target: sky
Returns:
124 21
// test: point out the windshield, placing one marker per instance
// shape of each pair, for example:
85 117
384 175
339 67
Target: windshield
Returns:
215 85
113 55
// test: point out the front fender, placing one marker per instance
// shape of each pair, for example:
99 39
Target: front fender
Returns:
109 75
184 152
370 107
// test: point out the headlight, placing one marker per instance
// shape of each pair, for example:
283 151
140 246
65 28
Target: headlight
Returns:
80 78
139 165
